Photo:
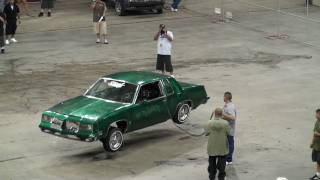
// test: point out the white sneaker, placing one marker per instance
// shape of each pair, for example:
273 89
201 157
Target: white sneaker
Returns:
229 163
106 41
98 41
13 40
172 9
172 76
7 42
175 10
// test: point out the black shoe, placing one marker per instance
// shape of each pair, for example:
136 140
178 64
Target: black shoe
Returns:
40 14
315 177
49 14
2 51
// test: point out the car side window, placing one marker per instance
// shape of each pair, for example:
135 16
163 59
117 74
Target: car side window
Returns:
149 92
167 86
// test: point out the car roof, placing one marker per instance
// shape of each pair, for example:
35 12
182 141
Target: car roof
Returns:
137 77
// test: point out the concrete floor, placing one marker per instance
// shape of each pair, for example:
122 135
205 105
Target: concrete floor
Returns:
274 82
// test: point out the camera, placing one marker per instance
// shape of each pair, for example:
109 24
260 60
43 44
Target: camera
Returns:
162 27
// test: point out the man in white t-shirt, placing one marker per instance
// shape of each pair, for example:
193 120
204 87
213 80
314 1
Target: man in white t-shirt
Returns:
230 115
164 38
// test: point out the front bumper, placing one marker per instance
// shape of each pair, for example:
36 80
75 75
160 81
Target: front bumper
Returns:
81 135
68 136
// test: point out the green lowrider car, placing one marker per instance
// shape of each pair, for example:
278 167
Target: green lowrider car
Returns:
120 103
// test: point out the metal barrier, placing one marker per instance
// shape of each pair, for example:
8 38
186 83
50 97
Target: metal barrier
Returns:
298 20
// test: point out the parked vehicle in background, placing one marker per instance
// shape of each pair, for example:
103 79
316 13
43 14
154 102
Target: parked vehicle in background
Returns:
120 103
122 6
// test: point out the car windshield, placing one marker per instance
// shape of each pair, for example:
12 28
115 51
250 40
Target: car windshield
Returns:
113 90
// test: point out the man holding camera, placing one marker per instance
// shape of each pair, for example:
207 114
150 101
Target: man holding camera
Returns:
164 38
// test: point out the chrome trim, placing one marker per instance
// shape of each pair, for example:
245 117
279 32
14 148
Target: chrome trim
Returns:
163 85
71 137
136 94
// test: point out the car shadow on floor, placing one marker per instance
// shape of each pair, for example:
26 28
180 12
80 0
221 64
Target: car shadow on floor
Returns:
133 142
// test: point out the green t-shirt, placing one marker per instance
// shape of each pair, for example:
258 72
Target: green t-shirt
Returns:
98 11
316 139
218 130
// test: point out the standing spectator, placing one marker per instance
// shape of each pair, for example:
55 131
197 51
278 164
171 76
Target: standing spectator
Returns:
230 115
99 20
174 6
46 4
315 145
2 22
164 38
11 12
309 2
218 131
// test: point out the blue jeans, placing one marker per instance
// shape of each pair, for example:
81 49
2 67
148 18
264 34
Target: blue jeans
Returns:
175 4
231 148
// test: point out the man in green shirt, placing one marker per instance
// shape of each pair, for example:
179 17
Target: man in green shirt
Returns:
218 131
315 145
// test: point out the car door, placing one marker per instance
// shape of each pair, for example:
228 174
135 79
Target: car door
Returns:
172 99
150 107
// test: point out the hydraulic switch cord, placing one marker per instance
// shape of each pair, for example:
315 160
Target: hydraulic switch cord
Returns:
192 134
188 132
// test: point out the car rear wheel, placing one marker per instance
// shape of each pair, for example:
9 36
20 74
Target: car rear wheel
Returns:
182 113
114 140
120 9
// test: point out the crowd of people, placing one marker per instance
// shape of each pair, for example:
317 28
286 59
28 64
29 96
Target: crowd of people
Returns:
10 11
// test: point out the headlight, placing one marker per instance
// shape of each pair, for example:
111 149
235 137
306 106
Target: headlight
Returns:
46 118
86 127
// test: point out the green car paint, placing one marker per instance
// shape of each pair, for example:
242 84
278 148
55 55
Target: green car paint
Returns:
89 118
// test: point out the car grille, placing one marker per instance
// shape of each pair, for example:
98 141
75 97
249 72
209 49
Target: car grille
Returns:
72 126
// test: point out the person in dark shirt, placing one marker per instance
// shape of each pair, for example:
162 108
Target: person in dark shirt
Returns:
2 22
11 12
46 4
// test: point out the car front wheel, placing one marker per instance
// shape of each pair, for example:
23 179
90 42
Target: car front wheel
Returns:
182 113
114 140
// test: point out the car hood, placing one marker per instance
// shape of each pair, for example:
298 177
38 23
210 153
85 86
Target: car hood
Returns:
87 107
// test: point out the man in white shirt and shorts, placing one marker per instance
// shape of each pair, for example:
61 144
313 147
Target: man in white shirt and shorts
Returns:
164 46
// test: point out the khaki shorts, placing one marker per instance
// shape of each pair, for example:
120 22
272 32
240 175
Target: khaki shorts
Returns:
100 28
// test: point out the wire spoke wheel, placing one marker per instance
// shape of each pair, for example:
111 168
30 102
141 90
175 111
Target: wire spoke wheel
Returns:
183 113
114 141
